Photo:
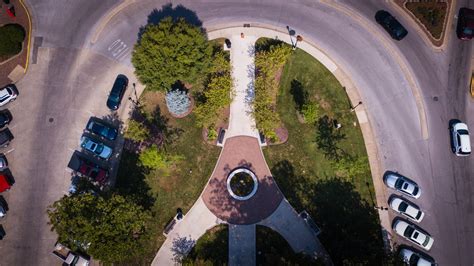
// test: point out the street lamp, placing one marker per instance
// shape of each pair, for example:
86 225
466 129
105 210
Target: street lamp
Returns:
353 108
381 208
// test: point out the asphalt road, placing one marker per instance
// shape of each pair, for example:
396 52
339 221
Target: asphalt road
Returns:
72 76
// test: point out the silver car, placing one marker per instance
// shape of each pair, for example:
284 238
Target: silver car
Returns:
96 147
411 233
460 139
406 208
411 257
402 184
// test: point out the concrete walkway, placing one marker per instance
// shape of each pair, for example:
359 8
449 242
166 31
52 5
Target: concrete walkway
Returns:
242 245
242 54
296 232
185 234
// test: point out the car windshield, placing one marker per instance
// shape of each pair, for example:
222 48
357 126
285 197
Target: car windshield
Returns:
414 259
463 132
415 191
99 128
403 207
114 97
418 215
408 232
427 239
399 183
99 148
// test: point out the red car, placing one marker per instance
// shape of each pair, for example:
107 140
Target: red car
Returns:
4 183
93 171
465 28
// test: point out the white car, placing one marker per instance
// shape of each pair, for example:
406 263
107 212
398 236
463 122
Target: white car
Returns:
410 257
402 184
411 233
406 208
95 147
8 94
460 138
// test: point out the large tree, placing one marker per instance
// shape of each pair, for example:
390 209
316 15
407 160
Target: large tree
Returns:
110 229
171 51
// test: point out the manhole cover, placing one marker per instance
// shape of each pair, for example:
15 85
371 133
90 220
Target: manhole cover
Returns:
51 120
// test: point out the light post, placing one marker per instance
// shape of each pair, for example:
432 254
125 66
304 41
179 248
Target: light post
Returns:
381 208
353 108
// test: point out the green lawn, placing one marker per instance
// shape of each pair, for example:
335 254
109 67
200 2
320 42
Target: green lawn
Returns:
211 249
304 167
179 187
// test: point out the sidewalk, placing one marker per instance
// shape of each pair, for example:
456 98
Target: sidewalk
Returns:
242 245
185 234
242 55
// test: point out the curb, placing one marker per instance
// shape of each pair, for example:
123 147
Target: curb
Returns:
29 36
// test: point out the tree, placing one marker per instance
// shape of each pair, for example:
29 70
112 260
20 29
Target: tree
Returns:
12 36
113 228
178 102
154 158
171 51
311 112
137 131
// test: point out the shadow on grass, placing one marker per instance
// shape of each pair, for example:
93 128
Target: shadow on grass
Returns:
350 226
328 138
212 248
300 96
272 249
131 180
175 13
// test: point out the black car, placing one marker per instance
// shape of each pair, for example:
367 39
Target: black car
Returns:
465 27
391 25
5 118
5 137
117 92
102 129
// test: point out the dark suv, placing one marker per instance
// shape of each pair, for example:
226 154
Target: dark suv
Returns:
5 118
117 92
465 28
391 25
5 137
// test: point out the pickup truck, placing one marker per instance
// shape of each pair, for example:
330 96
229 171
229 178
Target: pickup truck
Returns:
5 183
68 257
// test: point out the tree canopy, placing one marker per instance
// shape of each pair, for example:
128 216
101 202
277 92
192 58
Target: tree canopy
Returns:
109 229
171 51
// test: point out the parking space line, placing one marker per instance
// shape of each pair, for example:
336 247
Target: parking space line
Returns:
7 152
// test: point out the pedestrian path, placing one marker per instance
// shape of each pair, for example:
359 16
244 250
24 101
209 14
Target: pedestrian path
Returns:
185 234
296 232
242 245
242 54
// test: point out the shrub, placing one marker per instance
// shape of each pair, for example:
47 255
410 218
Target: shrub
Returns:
137 131
311 112
178 102
154 158
11 36
211 133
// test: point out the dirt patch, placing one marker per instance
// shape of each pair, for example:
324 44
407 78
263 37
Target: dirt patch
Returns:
282 135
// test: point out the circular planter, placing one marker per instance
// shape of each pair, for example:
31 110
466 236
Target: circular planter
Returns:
242 184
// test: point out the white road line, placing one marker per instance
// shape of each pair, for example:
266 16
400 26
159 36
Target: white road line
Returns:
119 50
9 151
122 52
114 44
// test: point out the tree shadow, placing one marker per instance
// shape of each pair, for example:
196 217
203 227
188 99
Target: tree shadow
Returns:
114 120
300 96
131 180
181 247
175 13
213 247
350 225
291 184
328 138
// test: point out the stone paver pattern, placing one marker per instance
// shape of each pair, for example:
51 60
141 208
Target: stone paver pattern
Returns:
242 151
242 244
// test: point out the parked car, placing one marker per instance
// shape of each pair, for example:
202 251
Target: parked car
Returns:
465 27
406 208
4 183
3 162
413 234
8 94
413 258
460 139
96 147
68 257
101 129
5 118
402 184
117 92
3 209
391 25
95 172
6 137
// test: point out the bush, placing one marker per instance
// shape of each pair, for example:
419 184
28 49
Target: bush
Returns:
211 133
153 158
12 37
178 102
311 112
137 131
